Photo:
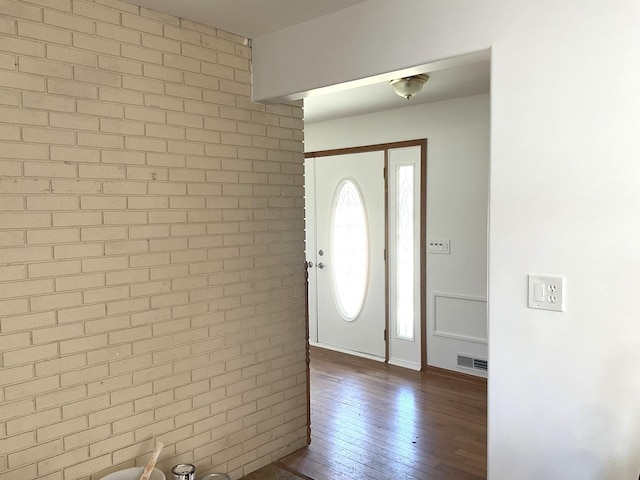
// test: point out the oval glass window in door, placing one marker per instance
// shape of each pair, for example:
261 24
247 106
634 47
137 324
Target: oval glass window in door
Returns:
350 247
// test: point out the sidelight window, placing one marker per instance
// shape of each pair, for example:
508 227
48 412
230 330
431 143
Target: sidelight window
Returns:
405 256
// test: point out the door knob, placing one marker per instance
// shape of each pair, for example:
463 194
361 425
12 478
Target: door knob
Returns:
321 265
310 264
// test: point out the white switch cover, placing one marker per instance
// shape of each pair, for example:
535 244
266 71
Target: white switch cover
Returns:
440 246
546 292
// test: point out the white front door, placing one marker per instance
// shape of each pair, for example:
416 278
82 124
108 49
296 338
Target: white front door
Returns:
349 253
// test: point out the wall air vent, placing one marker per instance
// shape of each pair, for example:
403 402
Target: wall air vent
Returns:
466 361
479 364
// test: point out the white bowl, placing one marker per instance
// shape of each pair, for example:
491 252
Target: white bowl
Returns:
134 474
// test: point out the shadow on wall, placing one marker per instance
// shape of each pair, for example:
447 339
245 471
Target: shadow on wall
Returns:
630 457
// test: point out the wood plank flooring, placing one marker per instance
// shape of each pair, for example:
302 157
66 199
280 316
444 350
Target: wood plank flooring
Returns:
375 421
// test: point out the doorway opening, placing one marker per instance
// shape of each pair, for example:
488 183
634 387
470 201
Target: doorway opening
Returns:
456 207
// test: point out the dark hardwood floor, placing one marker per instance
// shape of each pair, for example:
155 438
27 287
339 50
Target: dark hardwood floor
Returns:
375 421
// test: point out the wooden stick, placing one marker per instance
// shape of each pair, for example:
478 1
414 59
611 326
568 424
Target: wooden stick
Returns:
152 462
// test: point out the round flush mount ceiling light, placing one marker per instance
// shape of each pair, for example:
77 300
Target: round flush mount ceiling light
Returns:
407 87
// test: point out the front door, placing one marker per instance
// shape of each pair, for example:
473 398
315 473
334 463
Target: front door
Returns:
350 252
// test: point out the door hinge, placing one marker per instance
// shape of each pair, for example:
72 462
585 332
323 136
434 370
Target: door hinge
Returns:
384 172
385 335
384 254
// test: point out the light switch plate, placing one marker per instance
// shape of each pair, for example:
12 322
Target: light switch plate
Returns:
546 292
439 246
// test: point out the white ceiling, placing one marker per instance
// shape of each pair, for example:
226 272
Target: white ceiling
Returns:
252 18
249 18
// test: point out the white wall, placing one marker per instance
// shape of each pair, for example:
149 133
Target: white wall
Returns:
457 182
564 388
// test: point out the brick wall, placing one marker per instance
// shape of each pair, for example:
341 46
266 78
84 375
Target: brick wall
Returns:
151 247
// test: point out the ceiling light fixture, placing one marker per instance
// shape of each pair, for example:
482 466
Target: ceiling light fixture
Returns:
407 87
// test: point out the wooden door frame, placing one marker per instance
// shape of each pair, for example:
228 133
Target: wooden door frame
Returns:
385 147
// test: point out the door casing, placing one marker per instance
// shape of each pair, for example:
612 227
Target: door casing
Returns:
312 247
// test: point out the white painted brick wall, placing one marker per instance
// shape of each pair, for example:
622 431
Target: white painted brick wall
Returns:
151 247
